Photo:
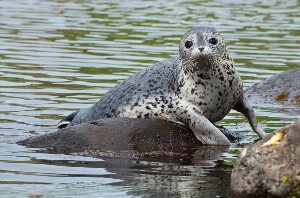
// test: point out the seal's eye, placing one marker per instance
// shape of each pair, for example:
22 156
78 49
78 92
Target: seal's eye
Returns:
213 41
188 44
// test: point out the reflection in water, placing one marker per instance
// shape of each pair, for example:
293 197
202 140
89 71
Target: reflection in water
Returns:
195 172
197 179
59 56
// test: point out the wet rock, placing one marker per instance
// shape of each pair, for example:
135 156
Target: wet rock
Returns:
119 136
279 91
270 167
115 134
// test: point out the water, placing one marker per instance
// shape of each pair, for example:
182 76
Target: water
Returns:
59 56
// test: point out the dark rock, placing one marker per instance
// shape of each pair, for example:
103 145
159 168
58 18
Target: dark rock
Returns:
270 167
116 136
279 91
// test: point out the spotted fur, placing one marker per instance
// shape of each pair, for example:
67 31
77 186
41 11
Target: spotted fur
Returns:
196 89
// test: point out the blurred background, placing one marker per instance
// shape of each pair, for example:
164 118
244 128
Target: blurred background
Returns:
59 56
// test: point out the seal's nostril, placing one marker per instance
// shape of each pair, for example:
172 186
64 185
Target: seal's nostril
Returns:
201 49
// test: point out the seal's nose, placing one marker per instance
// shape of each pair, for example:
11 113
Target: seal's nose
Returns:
201 49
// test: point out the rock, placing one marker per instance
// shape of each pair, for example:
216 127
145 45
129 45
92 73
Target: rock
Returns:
119 136
114 134
280 91
270 167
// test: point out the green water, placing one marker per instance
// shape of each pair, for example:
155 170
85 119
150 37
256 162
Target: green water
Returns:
59 56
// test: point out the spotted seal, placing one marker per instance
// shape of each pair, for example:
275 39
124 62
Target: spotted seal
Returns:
197 89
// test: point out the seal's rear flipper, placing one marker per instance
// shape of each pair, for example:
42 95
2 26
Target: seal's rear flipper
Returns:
66 120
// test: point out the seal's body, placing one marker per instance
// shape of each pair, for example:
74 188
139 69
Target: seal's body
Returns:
196 89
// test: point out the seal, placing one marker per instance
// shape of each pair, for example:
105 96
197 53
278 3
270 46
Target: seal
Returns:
196 89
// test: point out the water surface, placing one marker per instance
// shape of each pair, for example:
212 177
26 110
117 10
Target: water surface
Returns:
59 56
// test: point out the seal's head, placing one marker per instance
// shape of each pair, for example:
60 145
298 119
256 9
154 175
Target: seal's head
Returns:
202 47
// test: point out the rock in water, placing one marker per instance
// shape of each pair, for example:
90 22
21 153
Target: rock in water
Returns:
282 89
115 136
270 167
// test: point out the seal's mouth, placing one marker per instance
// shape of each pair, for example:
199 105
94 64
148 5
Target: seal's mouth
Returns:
200 54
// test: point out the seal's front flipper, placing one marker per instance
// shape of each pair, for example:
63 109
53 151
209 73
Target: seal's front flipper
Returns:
244 107
233 136
203 129
66 120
